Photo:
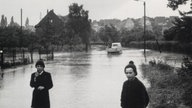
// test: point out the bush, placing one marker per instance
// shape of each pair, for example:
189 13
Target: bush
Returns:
185 76
165 90
169 46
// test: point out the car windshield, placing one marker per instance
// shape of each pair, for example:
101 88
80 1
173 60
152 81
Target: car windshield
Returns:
115 44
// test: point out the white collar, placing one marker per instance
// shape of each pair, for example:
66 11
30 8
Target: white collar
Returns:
41 72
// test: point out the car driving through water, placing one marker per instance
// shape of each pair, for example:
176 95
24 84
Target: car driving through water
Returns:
115 48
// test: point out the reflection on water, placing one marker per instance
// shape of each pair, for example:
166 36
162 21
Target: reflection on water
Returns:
81 80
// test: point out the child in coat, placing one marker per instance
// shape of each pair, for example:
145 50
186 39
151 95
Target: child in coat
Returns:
134 94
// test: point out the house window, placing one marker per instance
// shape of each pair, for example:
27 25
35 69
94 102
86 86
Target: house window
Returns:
51 21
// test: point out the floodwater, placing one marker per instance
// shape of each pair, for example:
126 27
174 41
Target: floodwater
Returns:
81 80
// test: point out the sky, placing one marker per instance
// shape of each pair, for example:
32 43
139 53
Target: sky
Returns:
98 9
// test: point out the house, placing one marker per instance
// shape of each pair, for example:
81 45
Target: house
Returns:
51 21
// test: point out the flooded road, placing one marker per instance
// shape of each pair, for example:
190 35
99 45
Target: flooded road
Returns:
81 80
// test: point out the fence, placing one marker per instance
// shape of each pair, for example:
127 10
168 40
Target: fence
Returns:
17 56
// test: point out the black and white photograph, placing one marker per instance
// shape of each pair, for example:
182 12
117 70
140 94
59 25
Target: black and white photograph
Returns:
96 54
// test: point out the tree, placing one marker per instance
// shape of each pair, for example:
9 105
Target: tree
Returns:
182 26
6 21
109 34
113 33
174 4
94 36
157 30
3 21
32 44
78 23
181 30
27 22
12 23
133 35
9 37
102 35
169 34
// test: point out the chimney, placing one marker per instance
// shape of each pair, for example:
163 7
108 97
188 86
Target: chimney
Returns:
47 11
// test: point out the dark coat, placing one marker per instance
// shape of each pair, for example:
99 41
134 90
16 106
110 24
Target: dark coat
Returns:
40 98
134 94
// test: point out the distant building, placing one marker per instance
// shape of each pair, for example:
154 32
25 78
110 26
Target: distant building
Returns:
161 21
51 19
95 26
30 28
147 22
127 23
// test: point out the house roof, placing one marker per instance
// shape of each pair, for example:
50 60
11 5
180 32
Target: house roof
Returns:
51 15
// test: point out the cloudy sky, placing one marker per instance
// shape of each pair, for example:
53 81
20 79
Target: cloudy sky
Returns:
98 9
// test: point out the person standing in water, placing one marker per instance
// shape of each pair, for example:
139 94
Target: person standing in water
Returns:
41 81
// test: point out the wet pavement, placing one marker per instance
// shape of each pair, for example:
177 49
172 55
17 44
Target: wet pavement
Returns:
81 80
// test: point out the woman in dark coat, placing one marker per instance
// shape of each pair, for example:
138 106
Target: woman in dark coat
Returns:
41 82
134 94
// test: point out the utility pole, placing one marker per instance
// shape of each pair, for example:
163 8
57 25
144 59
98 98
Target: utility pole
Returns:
144 29
21 37
21 18
2 58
